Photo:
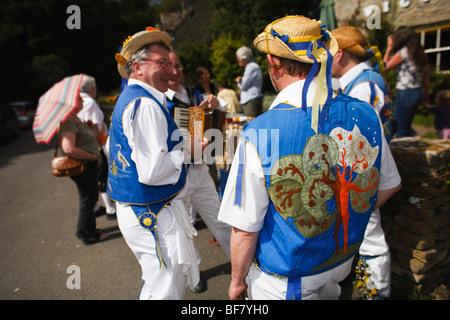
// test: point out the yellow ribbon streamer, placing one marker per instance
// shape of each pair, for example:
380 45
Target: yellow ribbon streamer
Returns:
321 94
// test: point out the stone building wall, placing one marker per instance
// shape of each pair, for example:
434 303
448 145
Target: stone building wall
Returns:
417 14
417 219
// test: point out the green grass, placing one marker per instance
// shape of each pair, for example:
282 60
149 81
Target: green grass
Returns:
424 120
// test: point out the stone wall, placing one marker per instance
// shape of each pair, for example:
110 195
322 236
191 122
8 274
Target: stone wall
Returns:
417 219
416 13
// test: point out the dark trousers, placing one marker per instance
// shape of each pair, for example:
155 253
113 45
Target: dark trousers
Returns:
253 108
87 185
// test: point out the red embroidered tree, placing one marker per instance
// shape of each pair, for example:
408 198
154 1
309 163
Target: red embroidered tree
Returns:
316 188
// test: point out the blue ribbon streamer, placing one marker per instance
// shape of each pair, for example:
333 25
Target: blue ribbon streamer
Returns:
296 46
142 212
239 177
294 289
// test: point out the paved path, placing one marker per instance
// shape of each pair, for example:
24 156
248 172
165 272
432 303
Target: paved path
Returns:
38 242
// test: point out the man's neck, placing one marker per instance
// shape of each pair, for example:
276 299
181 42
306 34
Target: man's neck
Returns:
287 80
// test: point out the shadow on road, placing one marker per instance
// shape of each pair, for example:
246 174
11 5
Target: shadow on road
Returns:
23 144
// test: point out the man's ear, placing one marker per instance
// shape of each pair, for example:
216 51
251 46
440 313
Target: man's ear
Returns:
273 63
338 55
136 67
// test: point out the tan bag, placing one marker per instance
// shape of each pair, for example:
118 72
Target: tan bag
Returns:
65 166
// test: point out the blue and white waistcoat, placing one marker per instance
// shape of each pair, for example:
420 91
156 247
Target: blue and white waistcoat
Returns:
374 77
123 184
322 186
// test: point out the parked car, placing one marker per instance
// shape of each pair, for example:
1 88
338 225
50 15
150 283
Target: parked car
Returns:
9 126
25 111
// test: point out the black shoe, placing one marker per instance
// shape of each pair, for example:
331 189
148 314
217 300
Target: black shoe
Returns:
101 237
100 211
200 287
111 216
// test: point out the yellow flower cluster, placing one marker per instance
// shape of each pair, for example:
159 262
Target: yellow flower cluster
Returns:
111 99
126 40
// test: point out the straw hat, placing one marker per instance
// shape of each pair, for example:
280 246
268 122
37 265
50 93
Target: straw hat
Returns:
133 43
352 40
284 38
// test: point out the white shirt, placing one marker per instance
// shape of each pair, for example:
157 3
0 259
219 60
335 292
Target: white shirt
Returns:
147 137
362 90
91 111
183 96
408 75
255 200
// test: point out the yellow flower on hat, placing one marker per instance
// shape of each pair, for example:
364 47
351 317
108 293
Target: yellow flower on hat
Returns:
120 59
126 40
137 41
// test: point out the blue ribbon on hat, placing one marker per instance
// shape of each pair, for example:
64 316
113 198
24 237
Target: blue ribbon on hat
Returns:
320 111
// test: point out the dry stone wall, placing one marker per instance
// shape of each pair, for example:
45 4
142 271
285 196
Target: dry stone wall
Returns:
417 219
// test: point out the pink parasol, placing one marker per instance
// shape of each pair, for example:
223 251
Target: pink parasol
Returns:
55 106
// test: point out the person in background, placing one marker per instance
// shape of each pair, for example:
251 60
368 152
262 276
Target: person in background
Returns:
405 54
230 97
442 114
93 116
250 83
357 78
147 175
299 212
201 197
79 141
205 86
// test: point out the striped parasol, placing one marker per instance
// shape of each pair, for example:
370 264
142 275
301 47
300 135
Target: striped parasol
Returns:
55 106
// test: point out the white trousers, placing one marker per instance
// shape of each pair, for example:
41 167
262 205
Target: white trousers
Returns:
175 235
202 196
376 249
322 286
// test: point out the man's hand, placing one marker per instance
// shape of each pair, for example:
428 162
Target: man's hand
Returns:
237 290
242 250
210 102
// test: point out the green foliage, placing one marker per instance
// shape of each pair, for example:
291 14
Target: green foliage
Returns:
438 82
223 59
248 18
39 48
50 68
192 56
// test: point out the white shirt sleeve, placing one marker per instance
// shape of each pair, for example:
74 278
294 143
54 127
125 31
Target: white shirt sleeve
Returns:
249 216
389 175
147 137
91 111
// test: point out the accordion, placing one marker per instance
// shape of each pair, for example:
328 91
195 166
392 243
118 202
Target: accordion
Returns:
194 121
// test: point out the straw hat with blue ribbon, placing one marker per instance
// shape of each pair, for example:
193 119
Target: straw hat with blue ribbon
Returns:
352 40
305 40
133 43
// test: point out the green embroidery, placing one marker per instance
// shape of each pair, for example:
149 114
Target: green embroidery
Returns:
317 187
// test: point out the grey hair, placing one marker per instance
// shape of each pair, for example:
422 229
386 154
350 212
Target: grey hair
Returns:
142 54
244 53
87 84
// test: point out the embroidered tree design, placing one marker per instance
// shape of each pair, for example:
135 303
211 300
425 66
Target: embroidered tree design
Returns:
315 189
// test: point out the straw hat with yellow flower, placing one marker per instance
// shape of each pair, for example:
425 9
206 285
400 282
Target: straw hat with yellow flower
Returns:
136 42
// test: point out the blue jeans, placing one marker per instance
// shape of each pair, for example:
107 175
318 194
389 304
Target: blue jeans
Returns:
406 106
